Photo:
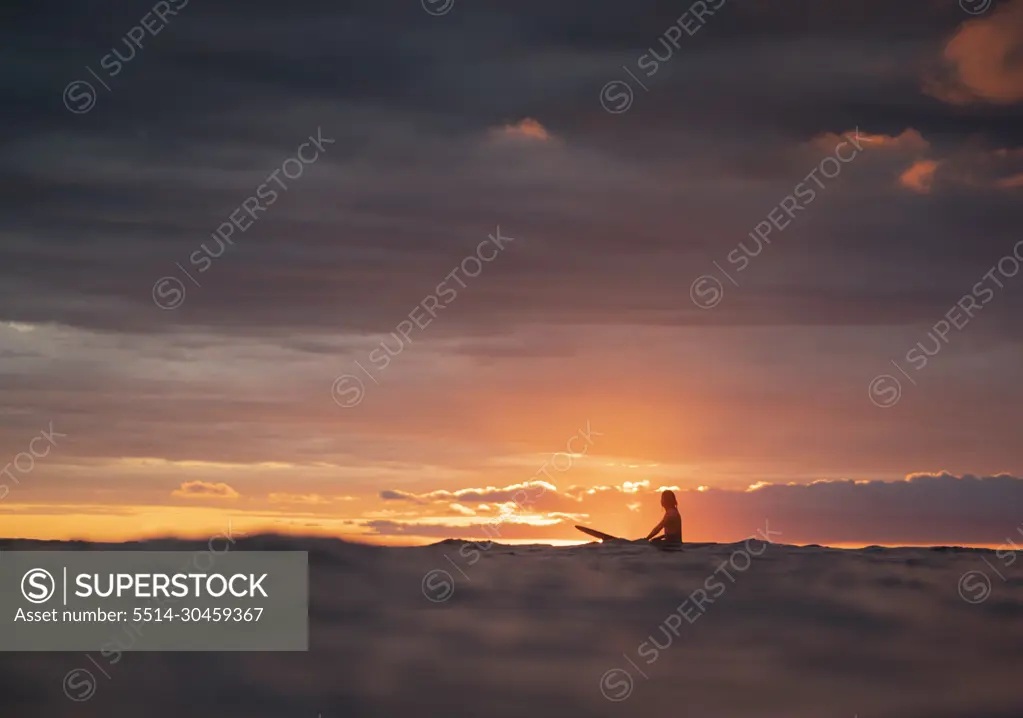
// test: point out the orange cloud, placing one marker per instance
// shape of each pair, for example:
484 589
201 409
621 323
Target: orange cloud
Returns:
204 490
984 60
909 141
920 177
528 129
971 167
1014 182
1009 163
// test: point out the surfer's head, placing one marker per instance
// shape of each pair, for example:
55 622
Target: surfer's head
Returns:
668 499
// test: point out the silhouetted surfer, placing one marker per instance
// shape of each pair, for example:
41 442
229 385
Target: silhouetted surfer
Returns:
671 523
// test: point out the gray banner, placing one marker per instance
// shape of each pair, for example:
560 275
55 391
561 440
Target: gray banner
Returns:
161 600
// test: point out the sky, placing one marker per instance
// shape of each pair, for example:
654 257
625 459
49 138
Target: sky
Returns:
402 271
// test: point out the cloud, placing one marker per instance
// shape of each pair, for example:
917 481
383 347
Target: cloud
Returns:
373 224
968 166
889 149
909 140
920 177
922 508
395 495
204 490
1012 182
527 129
985 60
488 494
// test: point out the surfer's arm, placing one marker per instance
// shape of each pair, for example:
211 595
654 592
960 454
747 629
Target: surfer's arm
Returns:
655 531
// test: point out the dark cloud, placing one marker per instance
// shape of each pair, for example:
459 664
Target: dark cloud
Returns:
205 490
103 204
983 60
390 495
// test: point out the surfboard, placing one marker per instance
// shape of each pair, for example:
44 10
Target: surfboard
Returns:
599 534
608 538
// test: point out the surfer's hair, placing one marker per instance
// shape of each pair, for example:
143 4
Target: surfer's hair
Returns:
668 499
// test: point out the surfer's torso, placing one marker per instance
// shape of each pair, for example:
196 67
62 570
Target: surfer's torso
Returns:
673 525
